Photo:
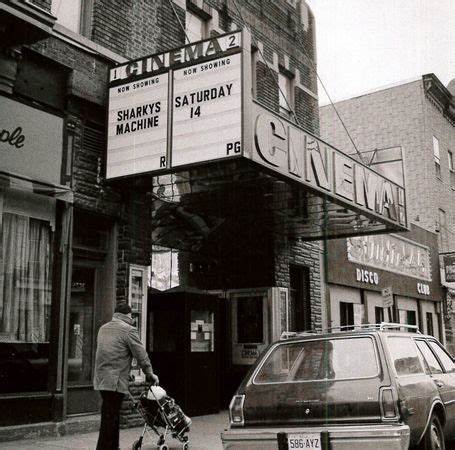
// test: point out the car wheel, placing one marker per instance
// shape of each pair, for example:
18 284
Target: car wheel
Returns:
434 436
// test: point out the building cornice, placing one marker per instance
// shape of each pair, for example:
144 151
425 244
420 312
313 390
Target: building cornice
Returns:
440 96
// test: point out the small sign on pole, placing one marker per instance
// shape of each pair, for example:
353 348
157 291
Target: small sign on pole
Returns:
387 297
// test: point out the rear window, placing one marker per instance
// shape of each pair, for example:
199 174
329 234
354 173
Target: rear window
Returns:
334 359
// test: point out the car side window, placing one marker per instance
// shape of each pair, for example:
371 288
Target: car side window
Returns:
429 357
405 355
443 356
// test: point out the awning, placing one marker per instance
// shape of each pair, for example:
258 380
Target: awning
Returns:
200 206
19 182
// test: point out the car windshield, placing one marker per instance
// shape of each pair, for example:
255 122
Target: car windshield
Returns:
333 359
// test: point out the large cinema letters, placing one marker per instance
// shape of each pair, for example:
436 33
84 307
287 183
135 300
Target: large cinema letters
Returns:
300 156
271 140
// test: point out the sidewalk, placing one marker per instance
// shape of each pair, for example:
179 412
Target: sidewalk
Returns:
204 435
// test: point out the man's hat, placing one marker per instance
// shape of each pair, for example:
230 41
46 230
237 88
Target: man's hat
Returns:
123 308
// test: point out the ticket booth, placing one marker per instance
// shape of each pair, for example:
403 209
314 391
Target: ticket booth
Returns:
255 318
183 343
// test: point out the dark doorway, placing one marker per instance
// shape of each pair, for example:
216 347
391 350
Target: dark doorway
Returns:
183 342
300 304
346 314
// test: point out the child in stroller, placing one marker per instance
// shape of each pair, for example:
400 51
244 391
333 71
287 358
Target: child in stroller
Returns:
160 411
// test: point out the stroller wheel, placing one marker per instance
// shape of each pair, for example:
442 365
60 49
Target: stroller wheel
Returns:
185 446
137 445
163 447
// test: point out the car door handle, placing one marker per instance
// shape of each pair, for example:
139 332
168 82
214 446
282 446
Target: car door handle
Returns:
439 383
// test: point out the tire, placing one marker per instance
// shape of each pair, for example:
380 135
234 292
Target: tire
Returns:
163 447
433 438
137 445
185 446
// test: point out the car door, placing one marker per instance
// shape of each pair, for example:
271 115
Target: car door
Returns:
415 388
446 383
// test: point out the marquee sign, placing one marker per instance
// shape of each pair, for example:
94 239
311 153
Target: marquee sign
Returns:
137 130
192 105
300 156
169 109
207 111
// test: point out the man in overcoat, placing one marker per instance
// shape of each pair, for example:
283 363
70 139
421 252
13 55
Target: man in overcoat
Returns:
118 343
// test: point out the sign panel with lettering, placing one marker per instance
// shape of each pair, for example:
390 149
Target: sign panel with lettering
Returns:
203 122
31 141
290 151
392 253
207 111
137 132
387 296
449 268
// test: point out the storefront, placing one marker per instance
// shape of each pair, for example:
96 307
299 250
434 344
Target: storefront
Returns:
390 277
35 216
229 181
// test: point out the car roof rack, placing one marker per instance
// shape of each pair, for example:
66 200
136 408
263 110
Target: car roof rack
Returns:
383 326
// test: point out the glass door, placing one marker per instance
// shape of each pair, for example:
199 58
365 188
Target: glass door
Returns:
81 341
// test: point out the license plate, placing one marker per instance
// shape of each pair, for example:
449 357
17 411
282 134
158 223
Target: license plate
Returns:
307 441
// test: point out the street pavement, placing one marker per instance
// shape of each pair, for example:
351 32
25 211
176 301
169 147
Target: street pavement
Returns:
204 435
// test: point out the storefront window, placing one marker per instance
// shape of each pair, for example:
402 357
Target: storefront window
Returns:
346 315
25 302
407 317
379 314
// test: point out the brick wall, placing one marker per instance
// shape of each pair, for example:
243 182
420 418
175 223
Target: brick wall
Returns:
404 115
306 254
89 73
400 115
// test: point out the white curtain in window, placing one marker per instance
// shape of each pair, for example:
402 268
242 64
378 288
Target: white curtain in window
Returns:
26 292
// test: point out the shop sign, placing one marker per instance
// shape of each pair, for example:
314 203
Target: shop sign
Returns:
31 141
192 53
366 276
449 267
171 109
287 149
423 288
391 253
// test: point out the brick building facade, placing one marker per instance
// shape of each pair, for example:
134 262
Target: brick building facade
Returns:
54 67
418 117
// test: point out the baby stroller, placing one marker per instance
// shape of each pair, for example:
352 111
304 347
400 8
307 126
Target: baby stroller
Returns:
163 416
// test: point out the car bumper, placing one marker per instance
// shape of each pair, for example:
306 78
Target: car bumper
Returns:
371 437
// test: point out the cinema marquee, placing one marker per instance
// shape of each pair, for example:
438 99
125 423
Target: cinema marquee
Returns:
191 109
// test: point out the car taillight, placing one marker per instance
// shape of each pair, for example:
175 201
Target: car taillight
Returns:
236 410
389 410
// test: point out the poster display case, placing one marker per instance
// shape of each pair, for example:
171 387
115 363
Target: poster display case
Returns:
138 302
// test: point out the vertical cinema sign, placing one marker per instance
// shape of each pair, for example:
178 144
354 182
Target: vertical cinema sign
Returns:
288 150
176 108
